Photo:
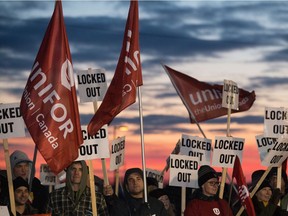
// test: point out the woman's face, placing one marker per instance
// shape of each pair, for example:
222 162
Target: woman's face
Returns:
210 187
264 194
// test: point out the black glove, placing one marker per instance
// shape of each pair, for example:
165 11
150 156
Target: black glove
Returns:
276 195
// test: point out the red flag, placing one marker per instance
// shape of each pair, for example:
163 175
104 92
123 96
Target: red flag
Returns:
242 188
128 76
49 104
202 100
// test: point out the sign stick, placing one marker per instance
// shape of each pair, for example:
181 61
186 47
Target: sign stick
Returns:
279 178
117 181
224 170
183 200
92 187
9 176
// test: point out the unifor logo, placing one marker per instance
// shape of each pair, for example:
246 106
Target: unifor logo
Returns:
216 211
67 79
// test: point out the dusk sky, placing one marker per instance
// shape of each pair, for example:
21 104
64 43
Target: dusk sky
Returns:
243 41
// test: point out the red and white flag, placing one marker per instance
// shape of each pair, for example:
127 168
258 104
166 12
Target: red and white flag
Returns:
243 192
49 104
202 100
128 76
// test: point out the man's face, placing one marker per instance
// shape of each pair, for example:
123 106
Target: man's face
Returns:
76 173
22 170
135 185
21 195
273 183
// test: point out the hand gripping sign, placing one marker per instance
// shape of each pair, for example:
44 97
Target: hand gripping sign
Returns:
225 151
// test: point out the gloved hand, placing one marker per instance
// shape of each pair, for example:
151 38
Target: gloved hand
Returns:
276 195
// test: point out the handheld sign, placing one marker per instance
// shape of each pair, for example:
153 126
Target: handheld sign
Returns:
96 146
92 85
183 171
155 174
11 122
197 147
276 122
117 153
230 95
4 210
277 154
47 177
264 144
225 151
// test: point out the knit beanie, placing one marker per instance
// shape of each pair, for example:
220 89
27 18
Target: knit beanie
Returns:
205 173
18 182
130 171
19 157
157 193
256 175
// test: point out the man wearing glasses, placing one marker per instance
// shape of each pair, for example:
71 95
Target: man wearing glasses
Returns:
205 201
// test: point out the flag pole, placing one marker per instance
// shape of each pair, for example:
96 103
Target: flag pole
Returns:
142 144
33 168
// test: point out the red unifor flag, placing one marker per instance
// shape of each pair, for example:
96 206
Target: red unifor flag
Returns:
242 188
202 100
49 104
128 76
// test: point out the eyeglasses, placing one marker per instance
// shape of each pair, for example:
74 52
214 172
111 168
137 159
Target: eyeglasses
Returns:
214 183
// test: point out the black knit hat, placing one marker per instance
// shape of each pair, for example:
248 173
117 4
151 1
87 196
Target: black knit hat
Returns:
19 182
157 193
256 175
205 173
130 171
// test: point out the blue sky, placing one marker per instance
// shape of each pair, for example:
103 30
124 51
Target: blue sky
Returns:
243 41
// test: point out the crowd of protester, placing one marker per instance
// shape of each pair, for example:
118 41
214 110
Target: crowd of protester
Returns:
32 198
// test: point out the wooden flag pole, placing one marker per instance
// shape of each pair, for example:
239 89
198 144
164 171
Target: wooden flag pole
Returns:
92 188
9 176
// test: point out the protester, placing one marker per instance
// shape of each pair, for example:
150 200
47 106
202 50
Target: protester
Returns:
264 201
21 194
75 197
134 195
205 201
161 195
152 184
4 194
272 177
133 203
21 166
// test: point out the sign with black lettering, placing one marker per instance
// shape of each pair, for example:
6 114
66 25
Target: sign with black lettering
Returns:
197 147
225 151
183 171
276 122
92 85
117 153
47 177
155 174
264 145
96 146
230 95
277 154
11 121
